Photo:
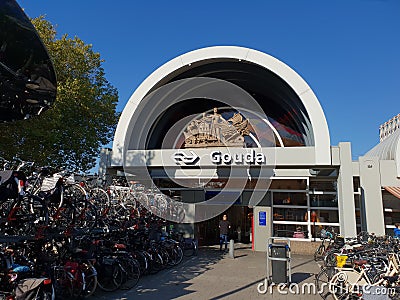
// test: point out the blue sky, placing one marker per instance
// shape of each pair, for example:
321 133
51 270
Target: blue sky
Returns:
347 51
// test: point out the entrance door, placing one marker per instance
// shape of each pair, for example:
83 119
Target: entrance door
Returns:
207 232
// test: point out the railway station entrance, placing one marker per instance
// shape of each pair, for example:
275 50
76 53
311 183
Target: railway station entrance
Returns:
234 121
239 216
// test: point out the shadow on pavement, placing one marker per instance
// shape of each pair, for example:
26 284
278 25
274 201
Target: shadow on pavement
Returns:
241 255
300 277
170 283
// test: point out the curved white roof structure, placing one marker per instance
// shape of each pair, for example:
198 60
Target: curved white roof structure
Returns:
317 129
388 149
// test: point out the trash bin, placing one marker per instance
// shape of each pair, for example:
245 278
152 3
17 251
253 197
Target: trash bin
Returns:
279 267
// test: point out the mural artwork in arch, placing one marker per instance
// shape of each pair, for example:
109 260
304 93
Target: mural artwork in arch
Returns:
213 130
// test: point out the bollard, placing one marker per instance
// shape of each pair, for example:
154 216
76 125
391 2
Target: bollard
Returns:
231 249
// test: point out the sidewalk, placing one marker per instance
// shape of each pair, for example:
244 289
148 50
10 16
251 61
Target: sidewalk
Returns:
212 275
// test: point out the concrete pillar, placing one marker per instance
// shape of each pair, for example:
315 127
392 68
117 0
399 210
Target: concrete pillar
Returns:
347 217
232 249
371 186
262 232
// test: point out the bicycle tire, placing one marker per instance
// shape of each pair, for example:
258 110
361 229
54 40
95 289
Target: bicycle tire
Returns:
189 249
141 258
90 280
100 199
319 253
131 274
110 277
341 283
62 284
85 215
43 294
322 280
178 254
330 259
156 263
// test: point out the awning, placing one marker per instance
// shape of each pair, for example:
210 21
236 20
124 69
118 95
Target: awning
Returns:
395 191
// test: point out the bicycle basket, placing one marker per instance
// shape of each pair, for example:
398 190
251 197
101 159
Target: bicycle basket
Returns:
341 260
323 234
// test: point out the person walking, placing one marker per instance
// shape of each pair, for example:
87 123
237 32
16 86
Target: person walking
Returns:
224 226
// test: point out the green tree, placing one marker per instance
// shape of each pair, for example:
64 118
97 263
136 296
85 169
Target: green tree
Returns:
83 117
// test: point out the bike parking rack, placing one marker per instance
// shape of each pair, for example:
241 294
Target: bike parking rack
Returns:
274 242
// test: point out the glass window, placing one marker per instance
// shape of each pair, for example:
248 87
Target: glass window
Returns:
290 214
357 201
356 184
318 228
326 216
323 185
323 200
288 184
299 199
392 217
390 201
389 231
290 230
358 218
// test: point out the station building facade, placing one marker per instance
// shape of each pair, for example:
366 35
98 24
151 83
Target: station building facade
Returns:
292 179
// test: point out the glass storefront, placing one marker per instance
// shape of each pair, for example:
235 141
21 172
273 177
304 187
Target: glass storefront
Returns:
303 212
391 207
300 207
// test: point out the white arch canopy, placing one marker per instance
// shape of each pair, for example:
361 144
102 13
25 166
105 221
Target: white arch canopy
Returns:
320 131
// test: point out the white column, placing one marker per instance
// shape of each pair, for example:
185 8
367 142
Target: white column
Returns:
347 218
371 186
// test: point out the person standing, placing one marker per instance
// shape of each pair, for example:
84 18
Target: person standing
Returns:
224 226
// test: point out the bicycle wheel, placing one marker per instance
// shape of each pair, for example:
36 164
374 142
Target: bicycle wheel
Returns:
330 259
329 296
63 214
74 192
23 217
177 255
156 263
131 272
45 293
319 253
100 199
341 284
90 280
141 258
167 262
322 281
34 215
62 284
189 248
85 215
110 276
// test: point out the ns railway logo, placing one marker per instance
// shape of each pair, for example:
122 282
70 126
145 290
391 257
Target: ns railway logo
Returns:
190 158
